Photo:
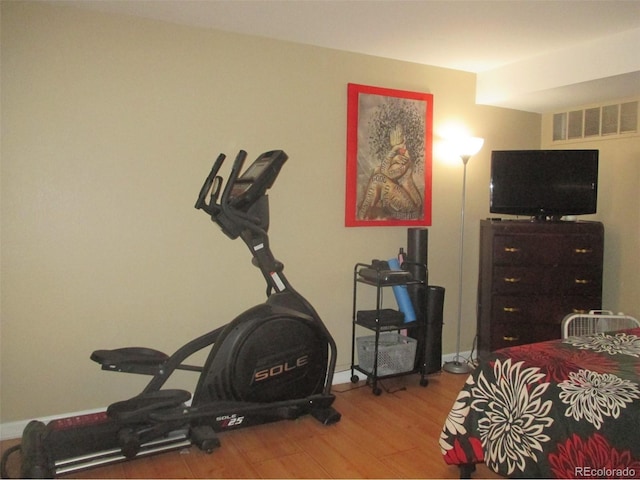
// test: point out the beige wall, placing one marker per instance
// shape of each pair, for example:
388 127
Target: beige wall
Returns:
109 125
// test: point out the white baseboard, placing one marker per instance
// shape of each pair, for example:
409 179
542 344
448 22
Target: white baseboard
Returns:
11 430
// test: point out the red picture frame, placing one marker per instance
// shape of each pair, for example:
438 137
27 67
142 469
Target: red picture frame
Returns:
389 155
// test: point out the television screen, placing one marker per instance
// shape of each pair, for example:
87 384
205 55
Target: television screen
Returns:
544 183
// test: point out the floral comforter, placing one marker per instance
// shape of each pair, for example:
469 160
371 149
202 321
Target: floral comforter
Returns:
560 409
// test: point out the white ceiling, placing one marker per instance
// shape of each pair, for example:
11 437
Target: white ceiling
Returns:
531 55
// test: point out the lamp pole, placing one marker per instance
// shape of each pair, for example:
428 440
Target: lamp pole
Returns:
457 365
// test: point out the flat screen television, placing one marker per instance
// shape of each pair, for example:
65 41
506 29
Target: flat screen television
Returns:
544 184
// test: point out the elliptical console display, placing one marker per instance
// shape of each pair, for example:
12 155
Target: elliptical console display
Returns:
274 361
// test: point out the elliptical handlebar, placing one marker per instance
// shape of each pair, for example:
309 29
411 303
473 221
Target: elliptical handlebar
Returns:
212 184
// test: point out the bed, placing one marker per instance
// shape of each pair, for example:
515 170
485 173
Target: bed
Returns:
558 409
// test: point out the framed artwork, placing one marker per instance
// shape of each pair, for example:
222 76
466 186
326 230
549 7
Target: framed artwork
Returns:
389 143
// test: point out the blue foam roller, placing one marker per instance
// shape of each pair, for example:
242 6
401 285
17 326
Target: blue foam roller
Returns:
402 295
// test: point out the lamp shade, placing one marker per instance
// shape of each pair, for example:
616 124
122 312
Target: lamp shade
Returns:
469 146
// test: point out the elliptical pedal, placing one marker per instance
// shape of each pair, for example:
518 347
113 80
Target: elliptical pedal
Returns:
138 408
141 360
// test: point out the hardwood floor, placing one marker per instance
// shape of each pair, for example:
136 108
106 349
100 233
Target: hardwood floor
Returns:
394 435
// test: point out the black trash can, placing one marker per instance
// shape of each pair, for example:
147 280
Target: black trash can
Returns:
429 332
433 329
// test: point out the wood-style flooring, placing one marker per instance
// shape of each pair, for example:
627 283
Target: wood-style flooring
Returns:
394 435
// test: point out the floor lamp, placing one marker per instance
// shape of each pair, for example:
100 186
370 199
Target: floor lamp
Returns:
466 148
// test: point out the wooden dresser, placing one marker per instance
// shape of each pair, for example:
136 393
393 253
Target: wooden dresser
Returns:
531 275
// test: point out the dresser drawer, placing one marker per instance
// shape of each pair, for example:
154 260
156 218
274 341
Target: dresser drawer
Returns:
570 280
514 309
547 250
579 280
583 250
521 280
503 336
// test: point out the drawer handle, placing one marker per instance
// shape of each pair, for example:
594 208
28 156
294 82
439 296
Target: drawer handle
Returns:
583 250
510 309
512 279
510 338
511 249
582 281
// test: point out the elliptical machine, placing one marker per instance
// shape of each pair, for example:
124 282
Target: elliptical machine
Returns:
274 361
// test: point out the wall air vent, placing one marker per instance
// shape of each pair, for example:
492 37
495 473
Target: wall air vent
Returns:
604 121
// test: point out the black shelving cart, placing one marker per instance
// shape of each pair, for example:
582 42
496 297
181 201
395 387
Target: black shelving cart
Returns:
386 353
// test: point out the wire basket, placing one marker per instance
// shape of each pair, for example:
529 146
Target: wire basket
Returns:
396 353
